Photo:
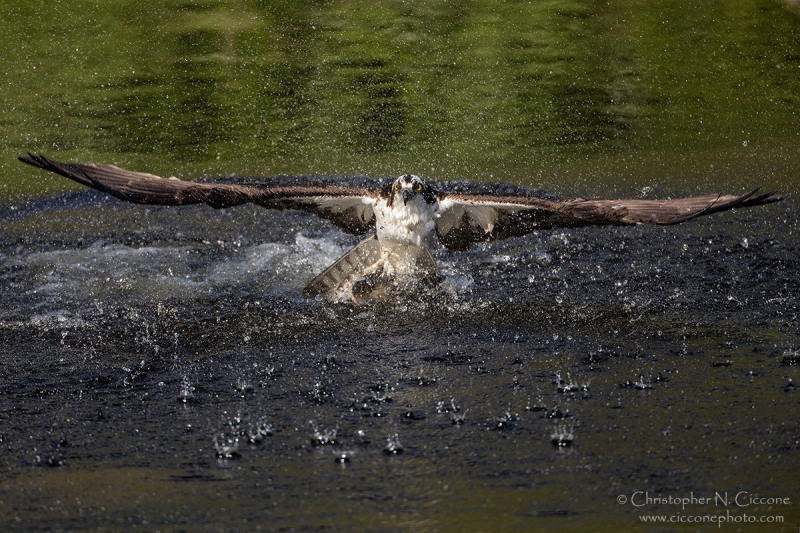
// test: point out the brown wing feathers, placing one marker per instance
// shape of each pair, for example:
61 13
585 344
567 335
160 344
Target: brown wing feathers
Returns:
663 212
350 215
623 212
136 187
143 188
481 218
471 217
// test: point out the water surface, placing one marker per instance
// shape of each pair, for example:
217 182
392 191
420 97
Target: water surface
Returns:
160 368
574 97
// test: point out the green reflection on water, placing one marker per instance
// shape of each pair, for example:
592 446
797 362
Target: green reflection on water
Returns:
562 95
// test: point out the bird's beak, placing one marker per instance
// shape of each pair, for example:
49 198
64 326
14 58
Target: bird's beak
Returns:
408 194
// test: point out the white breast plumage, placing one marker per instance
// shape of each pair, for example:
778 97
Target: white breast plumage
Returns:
412 223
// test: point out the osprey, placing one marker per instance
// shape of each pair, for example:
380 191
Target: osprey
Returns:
400 218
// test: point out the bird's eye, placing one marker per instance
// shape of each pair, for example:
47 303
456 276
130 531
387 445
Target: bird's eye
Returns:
396 186
417 187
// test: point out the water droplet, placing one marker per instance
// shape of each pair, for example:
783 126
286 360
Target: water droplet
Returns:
393 445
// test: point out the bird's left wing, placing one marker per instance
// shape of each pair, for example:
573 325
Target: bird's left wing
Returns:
464 219
349 208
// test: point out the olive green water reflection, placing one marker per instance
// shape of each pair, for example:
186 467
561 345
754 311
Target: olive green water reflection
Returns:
578 96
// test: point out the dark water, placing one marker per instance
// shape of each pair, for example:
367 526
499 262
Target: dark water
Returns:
135 353
159 367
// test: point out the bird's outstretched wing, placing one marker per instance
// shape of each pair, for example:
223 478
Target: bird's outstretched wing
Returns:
351 209
465 219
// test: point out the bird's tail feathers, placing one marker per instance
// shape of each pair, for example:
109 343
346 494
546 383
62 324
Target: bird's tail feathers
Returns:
346 269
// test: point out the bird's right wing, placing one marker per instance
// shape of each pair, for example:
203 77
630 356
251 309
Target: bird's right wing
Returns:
351 209
464 219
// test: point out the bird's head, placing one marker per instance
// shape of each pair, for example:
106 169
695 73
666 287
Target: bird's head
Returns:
407 187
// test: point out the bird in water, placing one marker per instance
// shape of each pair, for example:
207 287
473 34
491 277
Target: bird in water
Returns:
399 219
